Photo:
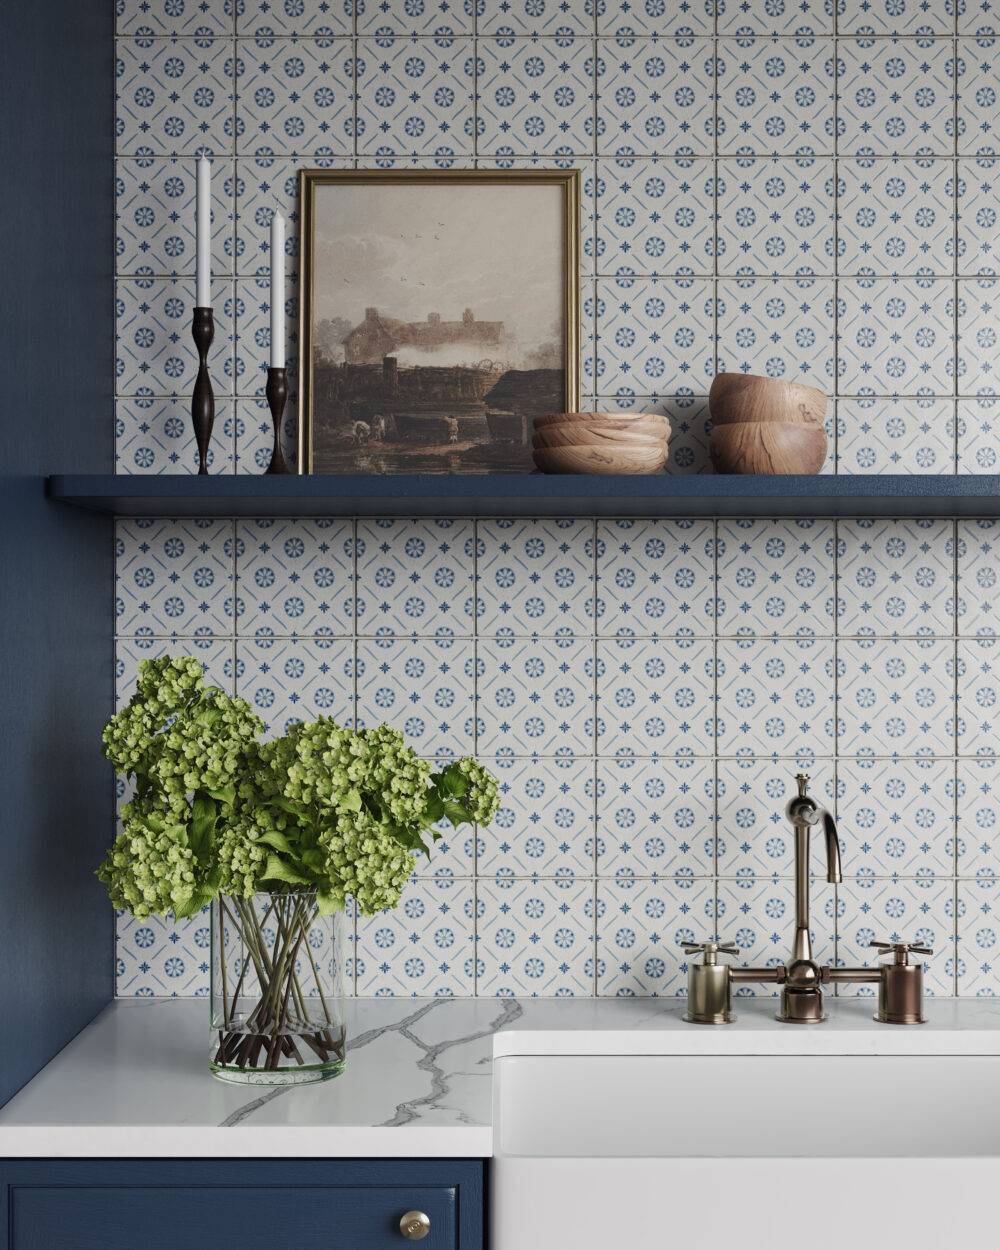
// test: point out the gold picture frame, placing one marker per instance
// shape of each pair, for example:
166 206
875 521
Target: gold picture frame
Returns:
375 450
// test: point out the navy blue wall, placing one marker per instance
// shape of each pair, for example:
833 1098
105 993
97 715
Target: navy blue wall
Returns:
56 345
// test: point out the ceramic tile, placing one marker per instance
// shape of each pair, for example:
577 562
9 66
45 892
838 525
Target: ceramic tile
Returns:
415 96
978 337
214 655
756 914
423 687
915 116
654 336
896 336
775 96
655 696
317 19
156 436
654 97
896 216
295 578
897 911
154 352
690 425
978 83
293 96
264 186
415 17
652 218
655 577
896 436
978 544
643 926
656 817
534 697
423 948
203 19
978 190
535 97
978 17
294 679
774 17
775 577
898 817
252 311
775 216
896 577
978 721
896 698
561 18
895 17
622 18
173 97
535 576
173 579
978 947
535 939
545 824
753 833
161 957
780 328
155 215
416 577
254 430
775 697
978 434
978 817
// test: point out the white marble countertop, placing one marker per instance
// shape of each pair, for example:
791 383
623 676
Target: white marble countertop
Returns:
418 1078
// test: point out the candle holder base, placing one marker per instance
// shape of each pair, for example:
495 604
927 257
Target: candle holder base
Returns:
277 395
202 399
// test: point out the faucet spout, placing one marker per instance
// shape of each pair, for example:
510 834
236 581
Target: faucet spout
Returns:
833 874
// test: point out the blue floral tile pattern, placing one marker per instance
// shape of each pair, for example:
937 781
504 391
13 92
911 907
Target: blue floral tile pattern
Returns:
978 83
203 18
155 354
754 913
775 216
295 579
901 817
545 824
423 687
775 97
977 429
774 17
780 328
535 96
536 17
775 697
896 577
896 336
155 214
914 117
979 337
978 544
690 425
978 215
896 436
173 579
651 216
535 938
415 17
418 576
655 696
896 216
156 436
656 17
294 96
317 19
978 722
251 307
424 948
535 577
643 928
655 577
978 17
656 817
173 97
979 938
162 957
896 17
293 679
753 834
654 336
775 577
896 698
654 97
978 817
534 697
921 911
264 186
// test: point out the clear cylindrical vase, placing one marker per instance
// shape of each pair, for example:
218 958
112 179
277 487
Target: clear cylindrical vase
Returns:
277 990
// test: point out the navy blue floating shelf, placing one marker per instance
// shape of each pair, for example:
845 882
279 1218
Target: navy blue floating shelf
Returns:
529 495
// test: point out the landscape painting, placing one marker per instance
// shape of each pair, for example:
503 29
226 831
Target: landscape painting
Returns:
439 317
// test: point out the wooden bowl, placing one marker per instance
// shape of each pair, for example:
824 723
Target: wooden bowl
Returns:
767 447
580 434
636 422
737 397
599 460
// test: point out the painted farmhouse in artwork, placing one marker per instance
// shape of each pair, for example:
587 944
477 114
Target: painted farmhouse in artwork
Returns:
378 335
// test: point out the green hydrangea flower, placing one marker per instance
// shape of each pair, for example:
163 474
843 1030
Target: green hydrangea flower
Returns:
151 868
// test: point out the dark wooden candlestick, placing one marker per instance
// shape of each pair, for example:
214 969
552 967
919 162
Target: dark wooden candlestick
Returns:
277 392
202 400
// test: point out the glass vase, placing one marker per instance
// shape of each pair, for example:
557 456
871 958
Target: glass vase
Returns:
277 990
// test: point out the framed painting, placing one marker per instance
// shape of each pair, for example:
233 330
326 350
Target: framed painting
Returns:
439 315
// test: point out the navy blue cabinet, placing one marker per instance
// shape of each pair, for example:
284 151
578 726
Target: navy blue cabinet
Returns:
254 1204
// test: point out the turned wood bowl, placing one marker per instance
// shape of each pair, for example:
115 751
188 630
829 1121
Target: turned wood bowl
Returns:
580 434
737 397
600 459
767 447
626 422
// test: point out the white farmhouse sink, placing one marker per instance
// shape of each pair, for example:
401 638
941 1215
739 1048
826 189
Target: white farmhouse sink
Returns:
645 1140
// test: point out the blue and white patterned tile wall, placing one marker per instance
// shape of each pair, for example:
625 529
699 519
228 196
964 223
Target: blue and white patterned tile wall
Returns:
769 187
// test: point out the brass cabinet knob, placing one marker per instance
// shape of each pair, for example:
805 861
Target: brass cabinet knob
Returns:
414 1225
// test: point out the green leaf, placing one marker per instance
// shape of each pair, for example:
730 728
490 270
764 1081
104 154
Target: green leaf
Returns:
434 808
456 812
454 784
278 870
350 801
227 796
275 839
204 815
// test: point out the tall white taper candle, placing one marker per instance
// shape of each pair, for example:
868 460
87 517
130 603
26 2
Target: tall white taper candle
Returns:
277 291
204 284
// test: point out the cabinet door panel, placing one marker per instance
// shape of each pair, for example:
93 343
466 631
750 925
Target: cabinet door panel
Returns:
97 1217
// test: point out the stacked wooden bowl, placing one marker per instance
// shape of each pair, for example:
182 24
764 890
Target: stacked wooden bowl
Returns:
764 425
601 442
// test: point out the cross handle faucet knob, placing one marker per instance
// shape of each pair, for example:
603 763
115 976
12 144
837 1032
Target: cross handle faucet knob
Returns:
900 950
710 950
